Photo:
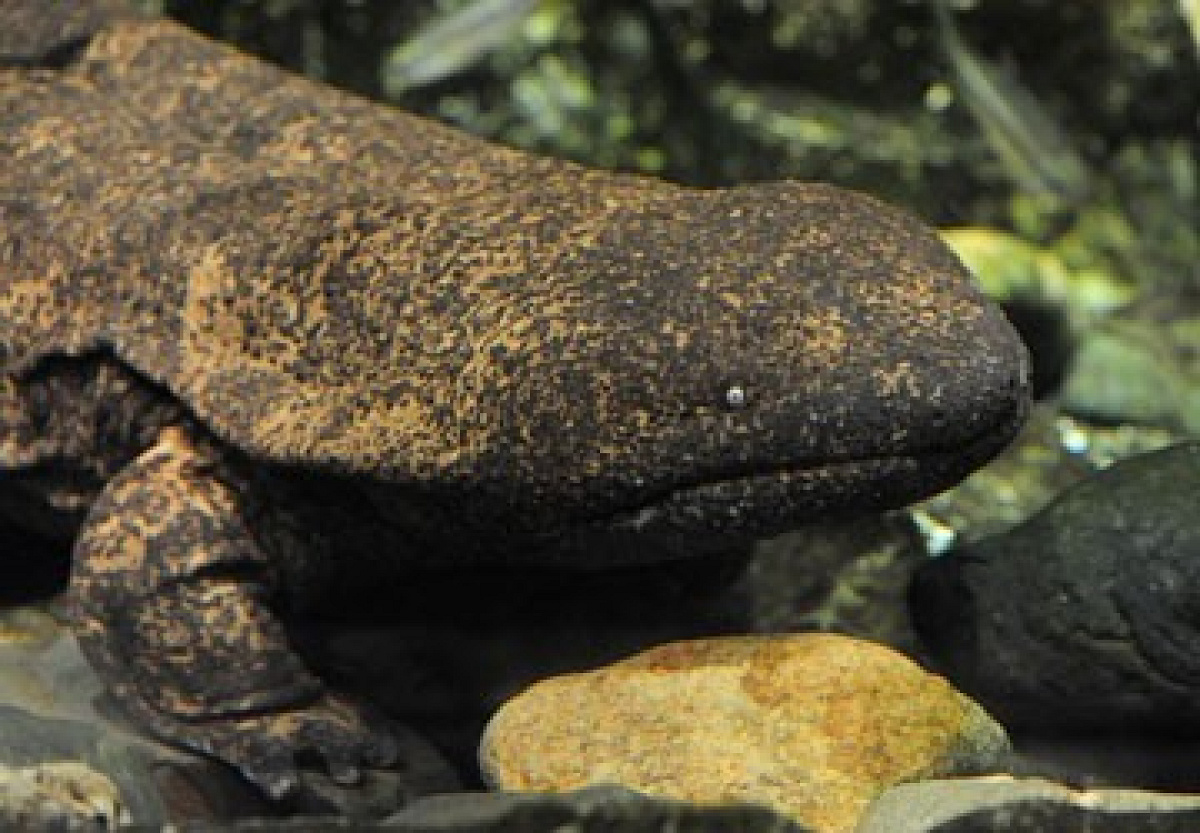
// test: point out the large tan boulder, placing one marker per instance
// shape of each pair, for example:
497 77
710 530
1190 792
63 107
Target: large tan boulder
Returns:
814 725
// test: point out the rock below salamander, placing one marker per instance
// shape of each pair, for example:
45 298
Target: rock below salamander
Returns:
262 341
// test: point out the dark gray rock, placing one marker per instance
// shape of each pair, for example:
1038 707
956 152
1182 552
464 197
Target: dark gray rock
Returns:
1049 817
592 810
1086 617
1007 805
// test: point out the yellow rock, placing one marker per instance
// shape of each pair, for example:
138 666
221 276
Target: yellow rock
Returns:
59 795
814 725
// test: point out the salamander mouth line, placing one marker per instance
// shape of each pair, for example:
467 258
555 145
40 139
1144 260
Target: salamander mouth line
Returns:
724 495
727 496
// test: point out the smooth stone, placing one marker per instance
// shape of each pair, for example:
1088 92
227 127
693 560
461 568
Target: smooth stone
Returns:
1019 805
813 725
592 810
604 808
1083 618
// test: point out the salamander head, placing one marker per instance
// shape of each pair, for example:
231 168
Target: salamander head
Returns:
742 361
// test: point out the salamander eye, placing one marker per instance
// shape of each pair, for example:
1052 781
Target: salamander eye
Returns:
735 397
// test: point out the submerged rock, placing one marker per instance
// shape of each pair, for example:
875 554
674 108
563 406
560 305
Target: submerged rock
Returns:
1003 805
813 725
1083 618
599 809
592 810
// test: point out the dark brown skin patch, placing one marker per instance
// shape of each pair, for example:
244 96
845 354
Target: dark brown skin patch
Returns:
259 330
67 427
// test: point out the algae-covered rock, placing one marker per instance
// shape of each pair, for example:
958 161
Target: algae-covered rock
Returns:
593 810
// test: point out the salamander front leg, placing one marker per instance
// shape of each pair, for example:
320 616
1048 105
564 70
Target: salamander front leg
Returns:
171 596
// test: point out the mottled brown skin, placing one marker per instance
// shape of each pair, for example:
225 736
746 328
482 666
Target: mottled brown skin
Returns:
260 339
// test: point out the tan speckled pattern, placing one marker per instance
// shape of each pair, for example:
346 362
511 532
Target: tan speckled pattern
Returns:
171 595
815 725
327 281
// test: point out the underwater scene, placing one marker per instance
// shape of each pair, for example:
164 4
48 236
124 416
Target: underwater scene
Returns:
356 474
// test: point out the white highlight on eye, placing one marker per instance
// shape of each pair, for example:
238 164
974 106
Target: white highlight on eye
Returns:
735 396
